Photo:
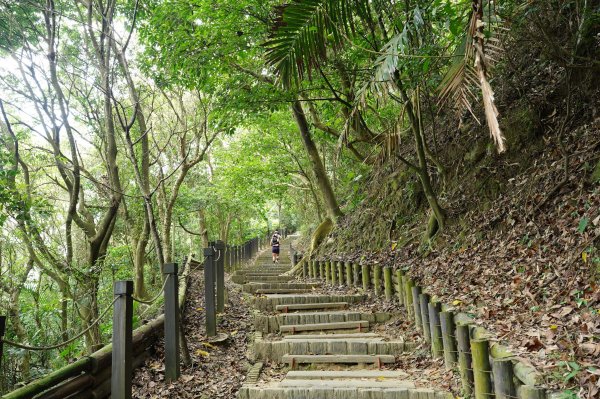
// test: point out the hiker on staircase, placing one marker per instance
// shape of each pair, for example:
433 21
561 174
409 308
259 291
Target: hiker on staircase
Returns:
275 240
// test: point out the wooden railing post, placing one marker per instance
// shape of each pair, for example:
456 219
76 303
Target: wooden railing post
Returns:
172 322
2 332
220 267
209 292
122 341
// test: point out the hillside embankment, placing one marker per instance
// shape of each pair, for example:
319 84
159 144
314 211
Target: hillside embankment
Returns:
521 250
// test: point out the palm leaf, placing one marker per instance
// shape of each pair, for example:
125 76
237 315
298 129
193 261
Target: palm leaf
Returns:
304 30
471 70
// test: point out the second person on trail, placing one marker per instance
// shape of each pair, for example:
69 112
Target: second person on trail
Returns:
275 246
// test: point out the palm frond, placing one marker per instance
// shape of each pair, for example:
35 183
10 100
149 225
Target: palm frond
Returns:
304 30
471 70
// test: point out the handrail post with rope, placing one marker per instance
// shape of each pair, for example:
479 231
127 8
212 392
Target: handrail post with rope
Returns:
209 292
122 349
172 322
220 275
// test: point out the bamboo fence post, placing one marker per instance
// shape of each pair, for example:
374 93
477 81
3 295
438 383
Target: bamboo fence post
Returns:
332 269
400 286
327 271
465 361
388 284
356 274
416 291
504 383
315 268
377 279
423 303
408 284
341 277
449 339
322 268
437 345
482 371
349 279
365 277
305 266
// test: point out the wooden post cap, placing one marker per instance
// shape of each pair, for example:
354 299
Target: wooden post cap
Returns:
123 287
170 268
209 251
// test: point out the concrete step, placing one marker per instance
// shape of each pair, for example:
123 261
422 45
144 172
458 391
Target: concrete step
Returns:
282 291
368 335
359 326
254 287
345 374
309 306
272 323
275 350
377 360
347 392
269 303
370 383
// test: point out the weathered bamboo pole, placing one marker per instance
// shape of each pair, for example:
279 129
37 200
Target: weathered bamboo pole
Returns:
341 276
424 307
356 274
327 271
349 276
437 345
416 291
465 362
377 280
449 339
332 270
504 379
408 284
365 277
322 266
388 283
400 286
480 352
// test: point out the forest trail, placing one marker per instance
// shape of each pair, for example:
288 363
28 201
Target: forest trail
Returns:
312 344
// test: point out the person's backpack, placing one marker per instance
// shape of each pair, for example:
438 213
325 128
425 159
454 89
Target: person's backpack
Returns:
275 239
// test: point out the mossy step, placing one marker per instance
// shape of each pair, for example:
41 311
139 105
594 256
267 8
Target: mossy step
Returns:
272 323
359 325
366 335
347 392
345 374
294 360
336 383
282 291
275 350
253 287
308 306
268 303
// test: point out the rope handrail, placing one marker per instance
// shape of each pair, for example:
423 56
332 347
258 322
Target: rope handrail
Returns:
155 298
64 343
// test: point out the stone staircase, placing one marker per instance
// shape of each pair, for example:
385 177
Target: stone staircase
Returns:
327 348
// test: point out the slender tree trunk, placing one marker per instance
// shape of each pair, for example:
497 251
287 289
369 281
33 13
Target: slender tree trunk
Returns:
331 204
203 228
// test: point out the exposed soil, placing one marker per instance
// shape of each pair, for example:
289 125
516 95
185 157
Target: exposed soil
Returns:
216 371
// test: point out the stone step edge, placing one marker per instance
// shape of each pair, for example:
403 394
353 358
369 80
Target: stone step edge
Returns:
306 306
294 360
345 374
343 325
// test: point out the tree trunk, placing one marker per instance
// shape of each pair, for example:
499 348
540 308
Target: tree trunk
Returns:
333 209
203 228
